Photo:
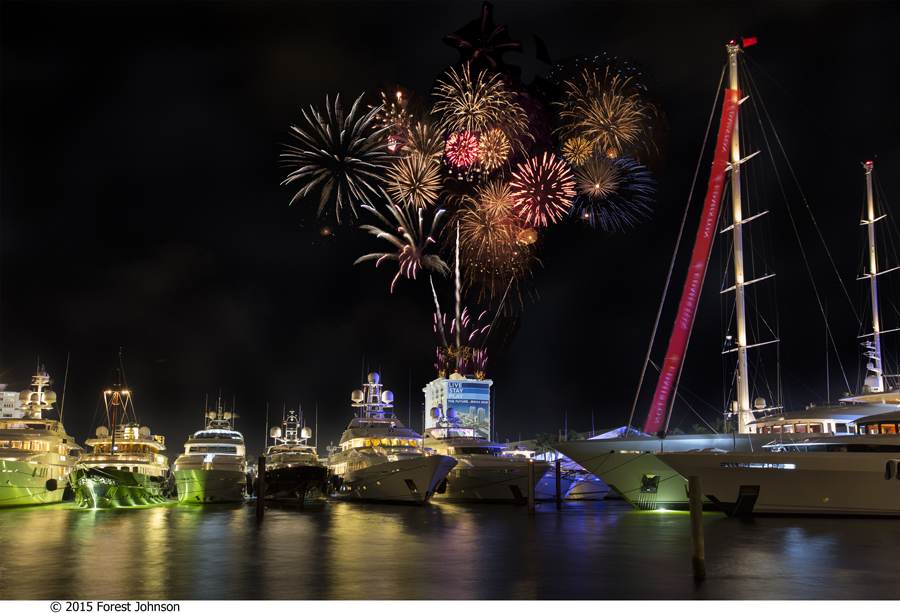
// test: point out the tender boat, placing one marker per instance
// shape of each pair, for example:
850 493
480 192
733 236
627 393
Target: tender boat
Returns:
854 475
213 467
125 467
36 454
484 472
293 470
381 460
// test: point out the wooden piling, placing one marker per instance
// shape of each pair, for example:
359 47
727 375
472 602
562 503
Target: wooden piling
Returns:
531 486
698 551
261 488
558 485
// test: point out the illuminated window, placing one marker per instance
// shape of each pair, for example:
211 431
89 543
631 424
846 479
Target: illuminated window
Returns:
889 428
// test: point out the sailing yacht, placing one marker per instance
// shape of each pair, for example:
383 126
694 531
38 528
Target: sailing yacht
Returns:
856 474
381 460
125 467
293 470
628 465
36 454
213 467
484 473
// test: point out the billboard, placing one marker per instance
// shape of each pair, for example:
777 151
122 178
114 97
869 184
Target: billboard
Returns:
470 398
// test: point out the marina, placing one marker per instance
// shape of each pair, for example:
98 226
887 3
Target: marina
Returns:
589 551
505 213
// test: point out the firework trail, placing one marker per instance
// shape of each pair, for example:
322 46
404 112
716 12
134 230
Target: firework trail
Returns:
339 154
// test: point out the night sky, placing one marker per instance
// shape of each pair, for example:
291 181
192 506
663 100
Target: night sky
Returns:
141 205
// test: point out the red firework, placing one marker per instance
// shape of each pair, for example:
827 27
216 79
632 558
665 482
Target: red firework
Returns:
542 190
461 149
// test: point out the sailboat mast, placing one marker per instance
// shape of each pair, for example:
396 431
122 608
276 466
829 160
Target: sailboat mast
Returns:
875 350
743 389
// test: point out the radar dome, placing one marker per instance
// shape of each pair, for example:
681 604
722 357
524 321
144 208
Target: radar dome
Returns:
211 414
25 396
102 431
305 433
275 432
374 377
387 397
436 413
356 396
50 397
227 415
451 413
759 404
144 431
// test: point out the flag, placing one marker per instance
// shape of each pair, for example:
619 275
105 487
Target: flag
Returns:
749 41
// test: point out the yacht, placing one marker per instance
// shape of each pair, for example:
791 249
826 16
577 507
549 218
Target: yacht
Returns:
125 467
853 475
36 454
381 460
484 473
629 465
213 467
293 470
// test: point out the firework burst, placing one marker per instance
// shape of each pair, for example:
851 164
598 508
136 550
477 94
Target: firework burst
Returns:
340 154
426 141
577 150
495 198
493 149
542 190
478 104
410 241
461 149
612 193
610 112
415 180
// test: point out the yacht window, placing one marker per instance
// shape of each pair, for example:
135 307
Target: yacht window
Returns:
872 429
840 428
889 428
801 428
815 428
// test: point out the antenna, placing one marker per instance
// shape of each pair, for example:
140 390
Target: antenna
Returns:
62 404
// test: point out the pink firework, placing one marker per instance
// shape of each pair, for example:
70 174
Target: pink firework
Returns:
461 149
542 190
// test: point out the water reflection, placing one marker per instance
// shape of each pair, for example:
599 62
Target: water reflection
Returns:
345 551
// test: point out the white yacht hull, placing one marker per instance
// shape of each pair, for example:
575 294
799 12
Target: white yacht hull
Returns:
628 466
410 481
546 488
199 486
820 483
491 479
32 482
588 487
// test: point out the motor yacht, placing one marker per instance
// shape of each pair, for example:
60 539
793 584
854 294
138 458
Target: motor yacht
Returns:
125 467
381 460
293 470
36 454
484 473
213 467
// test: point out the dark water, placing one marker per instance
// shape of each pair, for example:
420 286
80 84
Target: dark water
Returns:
339 551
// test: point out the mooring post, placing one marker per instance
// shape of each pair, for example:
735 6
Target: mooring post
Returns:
261 488
303 489
531 486
558 486
698 553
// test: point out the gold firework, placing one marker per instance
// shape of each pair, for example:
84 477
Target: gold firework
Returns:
493 149
414 180
426 141
607 112
478 104
495 198
598 179
576 150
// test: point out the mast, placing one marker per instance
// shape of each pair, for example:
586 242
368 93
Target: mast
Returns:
873 347
743 387
115 402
